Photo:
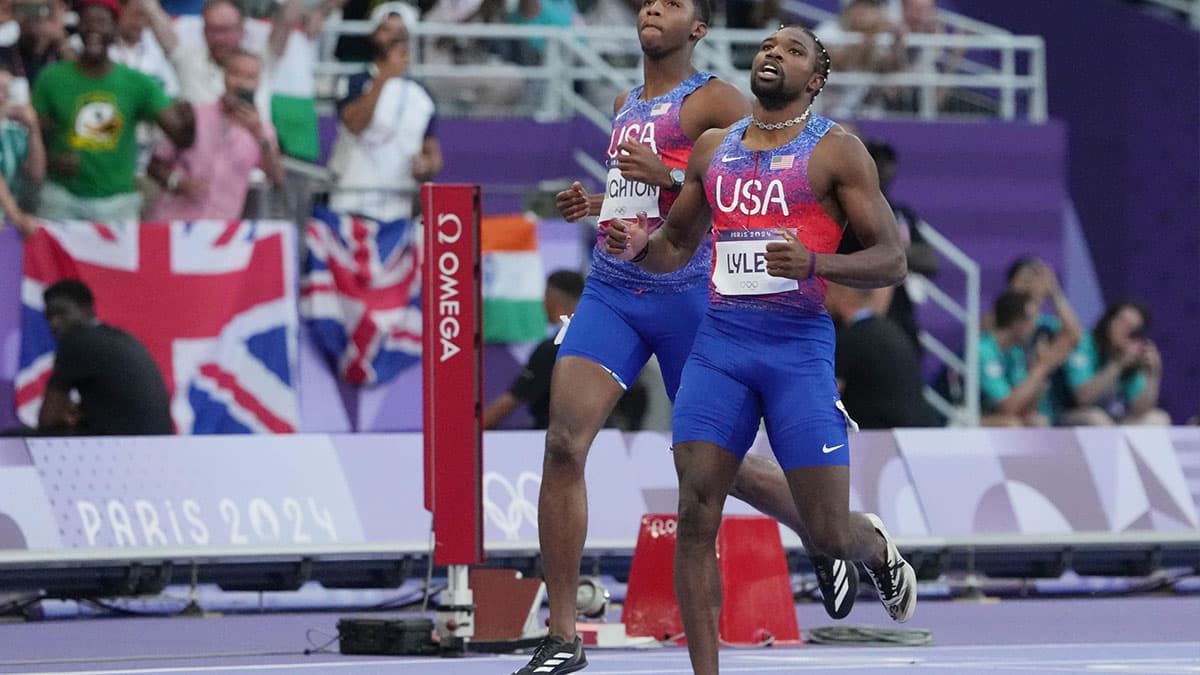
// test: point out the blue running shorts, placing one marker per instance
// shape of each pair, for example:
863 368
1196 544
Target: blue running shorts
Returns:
619 328
748 365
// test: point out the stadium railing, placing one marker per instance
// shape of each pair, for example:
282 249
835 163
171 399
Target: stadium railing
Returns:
1007 72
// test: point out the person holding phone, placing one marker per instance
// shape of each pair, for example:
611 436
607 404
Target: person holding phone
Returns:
1116 372
387 141
210 180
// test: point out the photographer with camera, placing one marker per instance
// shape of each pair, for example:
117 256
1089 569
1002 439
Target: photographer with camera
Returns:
1116 372
210 179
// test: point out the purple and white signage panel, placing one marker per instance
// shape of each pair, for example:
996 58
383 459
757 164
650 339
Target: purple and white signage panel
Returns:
289 493
196 491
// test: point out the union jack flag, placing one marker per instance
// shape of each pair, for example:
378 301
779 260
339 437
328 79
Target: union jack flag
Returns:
214 302
361 294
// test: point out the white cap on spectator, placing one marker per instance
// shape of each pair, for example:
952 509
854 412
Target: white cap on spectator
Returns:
406 12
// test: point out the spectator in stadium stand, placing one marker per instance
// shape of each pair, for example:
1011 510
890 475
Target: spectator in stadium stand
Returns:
1033 276
22 158
1115 373
88 111
42 40
10 28
210 179
869 19
386 144
562 13
532 385
119 387
877 371
200 67
136 47
1010 388
922 258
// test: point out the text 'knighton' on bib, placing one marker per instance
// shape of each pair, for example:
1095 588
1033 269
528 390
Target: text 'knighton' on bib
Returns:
740 264
624 198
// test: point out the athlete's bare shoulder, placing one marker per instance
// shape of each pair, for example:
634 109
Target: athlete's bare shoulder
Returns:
619 101
839 154
708 143
715 105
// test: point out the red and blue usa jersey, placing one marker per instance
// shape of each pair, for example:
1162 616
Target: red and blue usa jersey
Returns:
653 122
752 194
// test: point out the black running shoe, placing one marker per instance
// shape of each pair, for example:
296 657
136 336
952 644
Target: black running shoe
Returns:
897 581
554 656
838 581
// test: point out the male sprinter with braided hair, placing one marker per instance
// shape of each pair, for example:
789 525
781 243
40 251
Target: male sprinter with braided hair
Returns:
778 187
626 314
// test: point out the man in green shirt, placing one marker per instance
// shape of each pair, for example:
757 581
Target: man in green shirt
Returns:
89 110
1009 389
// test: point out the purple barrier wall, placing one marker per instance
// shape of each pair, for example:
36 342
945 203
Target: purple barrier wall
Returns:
1135 166
10 322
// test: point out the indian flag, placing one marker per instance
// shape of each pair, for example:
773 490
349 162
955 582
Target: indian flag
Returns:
293 107
514 282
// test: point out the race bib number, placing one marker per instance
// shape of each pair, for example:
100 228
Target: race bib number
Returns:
624 198
740 265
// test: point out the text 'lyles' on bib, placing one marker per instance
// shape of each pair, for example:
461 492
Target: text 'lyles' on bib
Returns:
740 264
624 198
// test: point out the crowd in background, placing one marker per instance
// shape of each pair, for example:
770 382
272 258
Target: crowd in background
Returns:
138 114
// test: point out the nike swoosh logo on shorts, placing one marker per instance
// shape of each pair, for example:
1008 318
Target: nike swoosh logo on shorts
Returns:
727 158
826 449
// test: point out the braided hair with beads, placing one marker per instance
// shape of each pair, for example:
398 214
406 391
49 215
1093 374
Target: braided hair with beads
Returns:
824 63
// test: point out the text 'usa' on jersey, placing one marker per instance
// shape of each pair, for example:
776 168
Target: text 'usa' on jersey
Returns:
753 193
655 123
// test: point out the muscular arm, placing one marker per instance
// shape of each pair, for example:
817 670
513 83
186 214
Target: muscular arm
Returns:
855 184
281 26
161 26
1148 399
56 410
1098 385
35 159
499 410
673 244
1071 331
1024 397
179 124
716 105
357 114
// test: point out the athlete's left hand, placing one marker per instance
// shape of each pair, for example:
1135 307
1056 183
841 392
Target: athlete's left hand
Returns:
624 239
788 258
638 162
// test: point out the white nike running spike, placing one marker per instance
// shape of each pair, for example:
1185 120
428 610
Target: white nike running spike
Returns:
896 581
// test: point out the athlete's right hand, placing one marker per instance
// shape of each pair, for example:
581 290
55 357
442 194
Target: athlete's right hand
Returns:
573 203
624 239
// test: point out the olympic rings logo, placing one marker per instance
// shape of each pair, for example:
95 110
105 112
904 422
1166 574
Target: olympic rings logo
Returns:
521 505
748 284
